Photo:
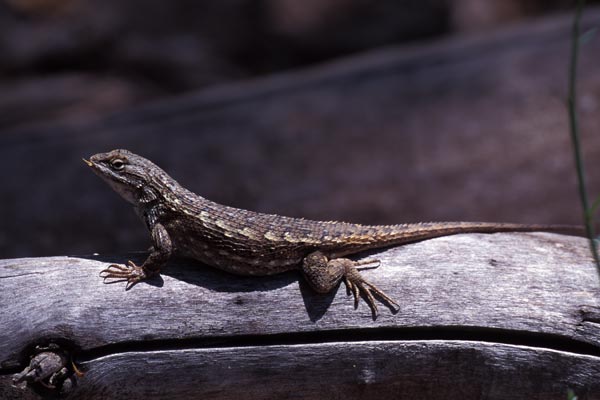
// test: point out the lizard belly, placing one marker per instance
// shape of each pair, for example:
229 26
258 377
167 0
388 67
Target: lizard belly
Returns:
226 248
238 261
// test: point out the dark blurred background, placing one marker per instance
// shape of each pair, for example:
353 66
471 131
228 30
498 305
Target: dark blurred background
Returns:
71 60
366 111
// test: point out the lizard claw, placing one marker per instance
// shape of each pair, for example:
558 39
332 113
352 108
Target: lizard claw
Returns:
130 273
366 264
354 290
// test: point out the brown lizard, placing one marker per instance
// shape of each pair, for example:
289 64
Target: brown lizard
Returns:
249 243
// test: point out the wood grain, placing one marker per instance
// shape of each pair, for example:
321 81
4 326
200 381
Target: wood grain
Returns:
483 316
380 369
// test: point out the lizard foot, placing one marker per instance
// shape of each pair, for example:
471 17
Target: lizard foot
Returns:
323 274
130 273
358 285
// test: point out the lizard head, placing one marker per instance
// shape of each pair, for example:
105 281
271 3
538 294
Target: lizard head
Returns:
135 178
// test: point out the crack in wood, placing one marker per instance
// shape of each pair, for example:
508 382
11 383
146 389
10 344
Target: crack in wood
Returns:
455 334
21 275
590 314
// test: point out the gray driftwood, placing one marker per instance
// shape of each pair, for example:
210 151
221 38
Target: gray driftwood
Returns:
483 316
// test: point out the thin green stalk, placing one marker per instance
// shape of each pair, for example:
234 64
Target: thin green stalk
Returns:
571 395
574 128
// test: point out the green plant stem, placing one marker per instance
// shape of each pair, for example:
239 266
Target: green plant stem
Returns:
574 128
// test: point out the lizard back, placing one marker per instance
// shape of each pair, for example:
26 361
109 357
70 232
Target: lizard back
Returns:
256 243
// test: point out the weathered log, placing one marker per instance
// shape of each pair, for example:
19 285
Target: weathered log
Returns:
512 315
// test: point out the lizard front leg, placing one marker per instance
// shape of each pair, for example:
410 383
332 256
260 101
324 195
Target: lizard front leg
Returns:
324 274
160 252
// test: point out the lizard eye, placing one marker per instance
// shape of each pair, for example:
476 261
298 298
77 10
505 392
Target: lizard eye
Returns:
117 164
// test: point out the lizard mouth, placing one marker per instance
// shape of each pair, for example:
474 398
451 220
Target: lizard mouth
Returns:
88 162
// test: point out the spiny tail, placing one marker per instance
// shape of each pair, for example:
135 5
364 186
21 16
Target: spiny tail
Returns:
375 236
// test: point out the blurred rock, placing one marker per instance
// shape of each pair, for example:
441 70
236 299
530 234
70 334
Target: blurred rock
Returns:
71 99
157 49
462 129
476 15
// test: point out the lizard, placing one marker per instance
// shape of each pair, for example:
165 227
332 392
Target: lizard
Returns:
243 242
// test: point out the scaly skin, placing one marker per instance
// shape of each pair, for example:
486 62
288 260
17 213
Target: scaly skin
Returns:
248 243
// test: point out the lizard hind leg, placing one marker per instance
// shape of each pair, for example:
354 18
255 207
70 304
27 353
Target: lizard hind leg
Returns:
324 274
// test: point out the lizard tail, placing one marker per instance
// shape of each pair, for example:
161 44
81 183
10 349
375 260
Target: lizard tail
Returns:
376 236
